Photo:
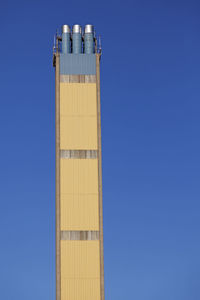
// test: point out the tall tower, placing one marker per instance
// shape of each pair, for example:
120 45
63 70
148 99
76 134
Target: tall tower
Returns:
79 220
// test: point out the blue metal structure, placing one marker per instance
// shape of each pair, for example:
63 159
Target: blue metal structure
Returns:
77 64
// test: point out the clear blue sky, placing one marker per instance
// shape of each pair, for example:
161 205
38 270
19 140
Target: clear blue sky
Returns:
150 88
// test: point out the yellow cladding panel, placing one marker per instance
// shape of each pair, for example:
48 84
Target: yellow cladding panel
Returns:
80 270
78 116
78 176
78 133
80 260
79 212
80 289
78 99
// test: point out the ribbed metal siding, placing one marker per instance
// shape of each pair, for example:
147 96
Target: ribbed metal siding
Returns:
79 212
78 116
80 289
77 64
78 177
80 270
79 194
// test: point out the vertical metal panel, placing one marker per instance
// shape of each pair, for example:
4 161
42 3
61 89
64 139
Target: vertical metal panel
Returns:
78 121
77 64
78 176
80 259
78 132
80 289
78 99
79 212
80 270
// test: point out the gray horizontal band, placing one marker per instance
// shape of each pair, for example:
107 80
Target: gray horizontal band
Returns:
79 154
79 235
78 78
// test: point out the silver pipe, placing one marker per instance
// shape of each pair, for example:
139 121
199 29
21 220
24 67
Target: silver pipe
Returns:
89 28
66 29
77 28
66 42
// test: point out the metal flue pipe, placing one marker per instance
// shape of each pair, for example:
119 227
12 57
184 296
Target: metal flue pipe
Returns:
66 42
89 39
76 39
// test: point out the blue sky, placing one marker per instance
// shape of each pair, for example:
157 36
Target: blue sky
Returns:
150 74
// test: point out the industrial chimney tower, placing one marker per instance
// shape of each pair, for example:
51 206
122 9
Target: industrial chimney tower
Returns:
79 220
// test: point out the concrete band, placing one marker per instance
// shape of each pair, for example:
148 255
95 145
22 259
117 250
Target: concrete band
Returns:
78 78
79 154
79 235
